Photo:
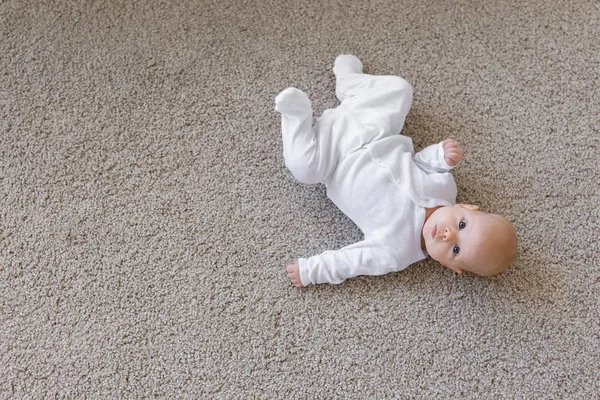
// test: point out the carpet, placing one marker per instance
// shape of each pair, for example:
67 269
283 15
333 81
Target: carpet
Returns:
146 215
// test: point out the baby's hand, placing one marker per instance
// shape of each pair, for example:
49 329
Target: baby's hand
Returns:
452 152
293 272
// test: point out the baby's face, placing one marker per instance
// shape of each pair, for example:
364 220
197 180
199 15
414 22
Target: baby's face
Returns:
462 238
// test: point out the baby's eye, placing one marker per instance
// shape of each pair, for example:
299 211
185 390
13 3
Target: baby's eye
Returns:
456 249
462 224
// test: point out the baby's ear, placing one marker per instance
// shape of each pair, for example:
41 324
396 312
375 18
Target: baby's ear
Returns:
468 206
455 269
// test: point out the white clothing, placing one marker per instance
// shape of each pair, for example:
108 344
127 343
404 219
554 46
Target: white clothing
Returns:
370 171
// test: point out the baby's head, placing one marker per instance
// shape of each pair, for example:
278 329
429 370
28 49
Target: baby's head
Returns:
463 238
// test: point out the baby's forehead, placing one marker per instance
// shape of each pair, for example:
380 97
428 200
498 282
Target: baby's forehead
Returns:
489 244
486 219
487 229
483 244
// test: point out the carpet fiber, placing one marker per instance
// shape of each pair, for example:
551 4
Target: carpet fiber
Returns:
146 215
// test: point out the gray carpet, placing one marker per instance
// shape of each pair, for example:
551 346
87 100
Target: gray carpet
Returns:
147 216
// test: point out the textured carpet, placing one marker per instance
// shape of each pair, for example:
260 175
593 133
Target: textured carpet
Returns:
146 215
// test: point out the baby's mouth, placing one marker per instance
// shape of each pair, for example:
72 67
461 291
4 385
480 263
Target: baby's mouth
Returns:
433 232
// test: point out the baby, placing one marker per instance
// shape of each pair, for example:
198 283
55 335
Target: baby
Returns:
403 202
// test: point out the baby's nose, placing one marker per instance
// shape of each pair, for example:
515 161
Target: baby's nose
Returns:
448 234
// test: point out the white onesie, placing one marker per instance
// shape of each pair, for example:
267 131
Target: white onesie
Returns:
370 171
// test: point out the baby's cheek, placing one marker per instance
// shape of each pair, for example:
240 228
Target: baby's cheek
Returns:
436 255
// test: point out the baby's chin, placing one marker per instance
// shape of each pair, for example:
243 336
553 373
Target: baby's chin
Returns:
426 231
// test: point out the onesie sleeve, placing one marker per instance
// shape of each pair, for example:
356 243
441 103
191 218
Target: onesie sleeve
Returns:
362 258
431 159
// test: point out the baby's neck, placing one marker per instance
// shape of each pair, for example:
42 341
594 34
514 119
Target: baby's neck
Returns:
428 212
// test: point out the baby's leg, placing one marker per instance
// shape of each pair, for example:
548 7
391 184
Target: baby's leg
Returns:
348 71
379 102
306 158
351 81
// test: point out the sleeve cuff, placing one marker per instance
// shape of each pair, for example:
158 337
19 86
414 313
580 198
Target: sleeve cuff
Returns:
303 272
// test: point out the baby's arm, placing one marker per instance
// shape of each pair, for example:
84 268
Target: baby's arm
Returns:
441 157
363 258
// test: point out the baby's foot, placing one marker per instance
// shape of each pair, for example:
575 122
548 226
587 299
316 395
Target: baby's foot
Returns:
452 152
293 272
292 103
347 64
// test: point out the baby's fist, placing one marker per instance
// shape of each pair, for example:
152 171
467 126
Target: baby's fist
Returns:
293 272
452 152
